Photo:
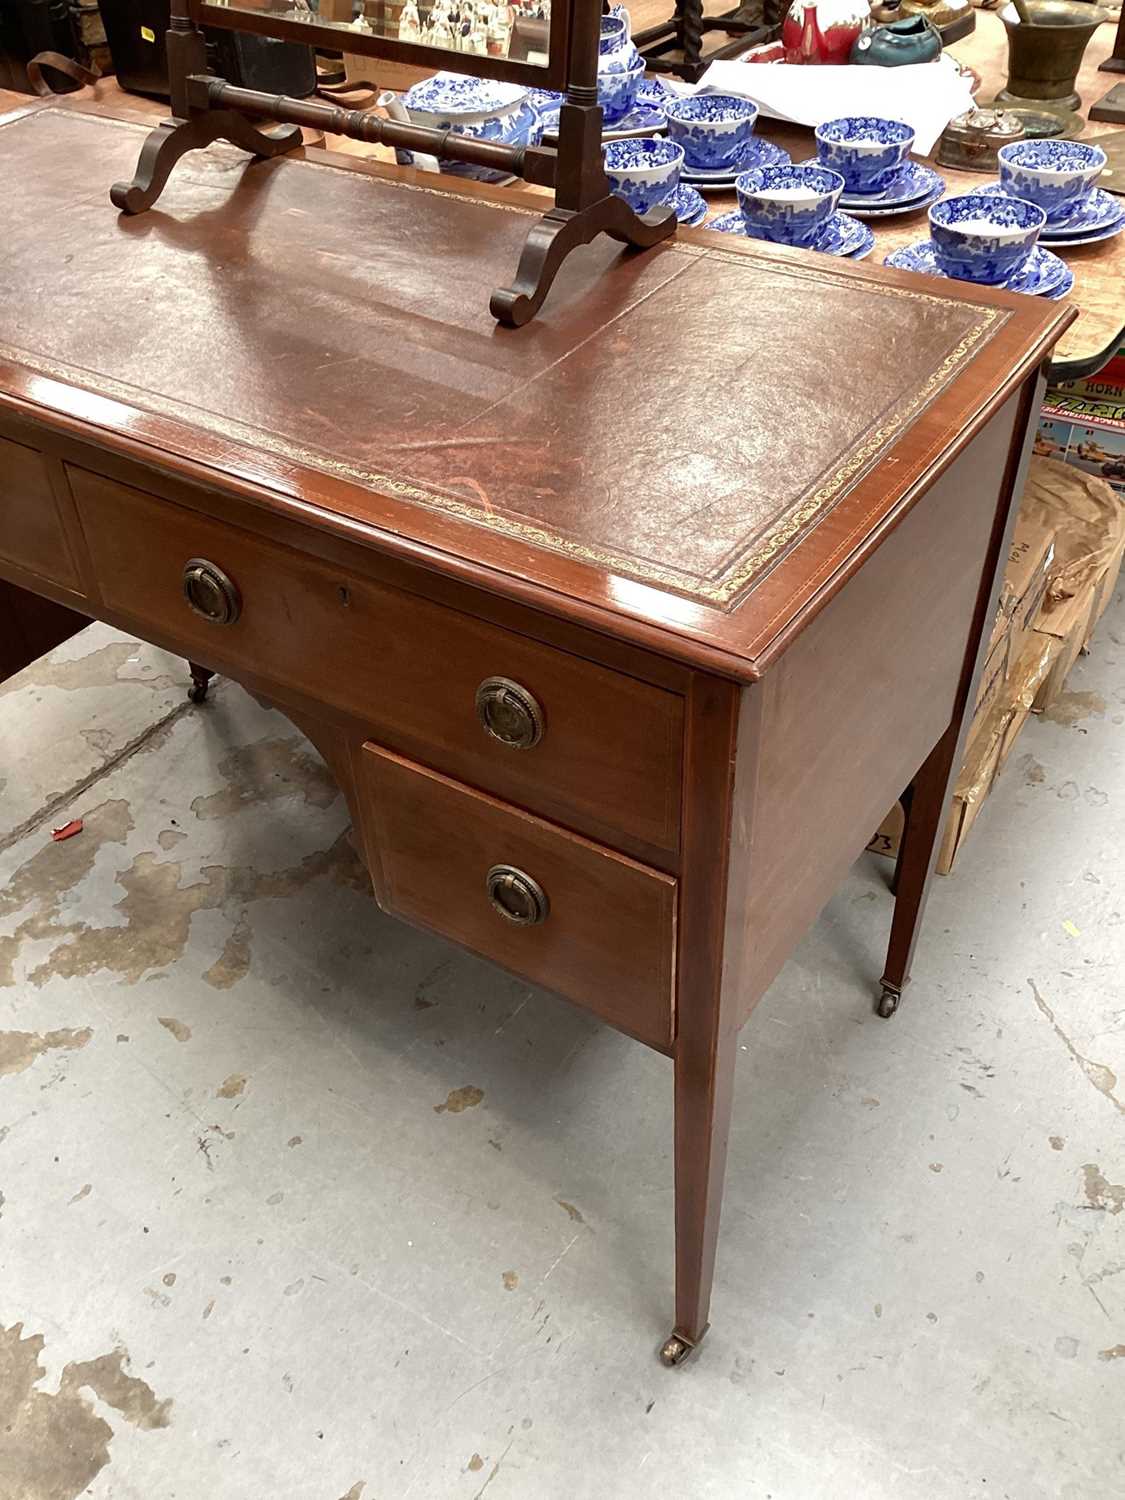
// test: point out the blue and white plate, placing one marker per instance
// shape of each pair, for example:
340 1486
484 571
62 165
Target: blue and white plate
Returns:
655 93
919 204
1100 211
643 119
761 153
691 207
1061 290
841 234
1041 276
914 182
1092 237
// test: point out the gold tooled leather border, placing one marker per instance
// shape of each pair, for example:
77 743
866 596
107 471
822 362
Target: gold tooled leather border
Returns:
722 590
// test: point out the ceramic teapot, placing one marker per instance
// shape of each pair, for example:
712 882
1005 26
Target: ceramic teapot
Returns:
911 40
822 31
616 52
484 107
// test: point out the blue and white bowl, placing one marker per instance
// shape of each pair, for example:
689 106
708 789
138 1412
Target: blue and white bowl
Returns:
454 101
1055 175
985 239
867 151
645 171
713 129
787 204
481 107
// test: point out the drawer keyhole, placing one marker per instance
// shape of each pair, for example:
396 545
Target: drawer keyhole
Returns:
210 592
518 897
509 713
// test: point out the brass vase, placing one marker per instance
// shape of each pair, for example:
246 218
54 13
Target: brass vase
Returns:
1044 58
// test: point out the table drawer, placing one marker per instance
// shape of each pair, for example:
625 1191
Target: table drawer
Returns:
31 528
596 927
607 751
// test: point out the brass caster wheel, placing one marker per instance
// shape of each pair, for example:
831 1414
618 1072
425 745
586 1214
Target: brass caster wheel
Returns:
889 1002
675 1349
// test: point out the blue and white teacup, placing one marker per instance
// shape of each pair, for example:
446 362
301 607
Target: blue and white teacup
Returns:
868 152
645 170
985 239
617 91
1057 176
713 129
789 205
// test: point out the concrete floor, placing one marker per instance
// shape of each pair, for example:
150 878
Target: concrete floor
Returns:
297 1203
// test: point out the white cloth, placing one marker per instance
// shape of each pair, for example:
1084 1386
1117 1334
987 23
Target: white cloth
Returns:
925 96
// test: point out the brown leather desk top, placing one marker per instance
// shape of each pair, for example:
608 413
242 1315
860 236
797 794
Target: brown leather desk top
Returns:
705 440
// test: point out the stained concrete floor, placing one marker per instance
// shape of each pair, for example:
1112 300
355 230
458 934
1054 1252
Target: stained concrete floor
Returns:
297 1203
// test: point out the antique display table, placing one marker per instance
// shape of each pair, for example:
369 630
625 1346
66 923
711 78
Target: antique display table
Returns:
620 632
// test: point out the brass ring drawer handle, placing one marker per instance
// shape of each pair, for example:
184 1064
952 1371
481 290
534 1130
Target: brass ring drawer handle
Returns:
516 896
210 592
509 713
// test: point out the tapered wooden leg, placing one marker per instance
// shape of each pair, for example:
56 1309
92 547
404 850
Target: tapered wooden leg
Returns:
704 1087
707 1005
927 800
200 681
925 805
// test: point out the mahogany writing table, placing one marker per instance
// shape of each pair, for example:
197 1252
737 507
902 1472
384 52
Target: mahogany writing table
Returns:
620 632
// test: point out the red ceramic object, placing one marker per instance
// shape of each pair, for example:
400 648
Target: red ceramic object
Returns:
822 31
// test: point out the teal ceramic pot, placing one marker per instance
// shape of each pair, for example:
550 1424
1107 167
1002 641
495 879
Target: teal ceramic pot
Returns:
911 40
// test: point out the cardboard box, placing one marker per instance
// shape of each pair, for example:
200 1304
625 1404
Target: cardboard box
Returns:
973 786
1062 570
1107 385
985 755
1085 431
993 675
1107 585
1026 576
1068 648
1073 626
1089 525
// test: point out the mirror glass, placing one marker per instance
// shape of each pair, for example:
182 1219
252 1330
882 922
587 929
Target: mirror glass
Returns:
515 29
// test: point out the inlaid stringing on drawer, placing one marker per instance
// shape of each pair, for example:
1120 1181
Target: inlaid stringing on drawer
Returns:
592 747
548 904
31 529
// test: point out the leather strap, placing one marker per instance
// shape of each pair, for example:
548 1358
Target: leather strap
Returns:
75 71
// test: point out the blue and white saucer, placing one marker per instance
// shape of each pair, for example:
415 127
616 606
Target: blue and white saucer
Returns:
760 153
933 196
915 181
1099 217
1093 237
642 119
691 207
1061 290
1042 275
1101 211
655 93
841 234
